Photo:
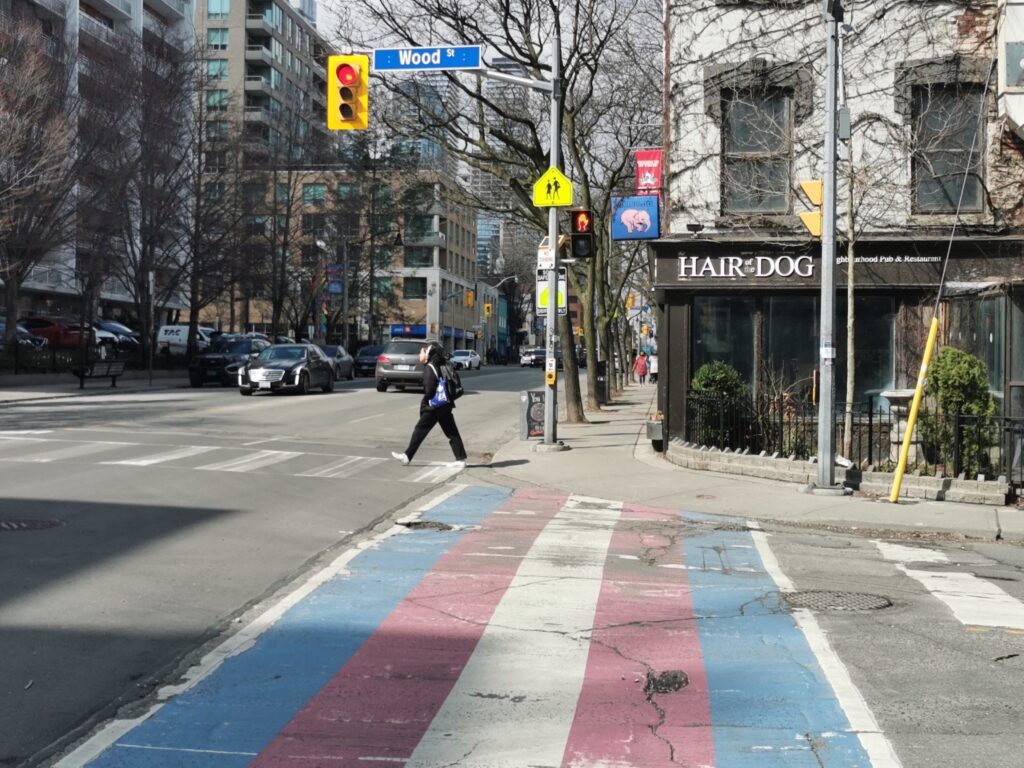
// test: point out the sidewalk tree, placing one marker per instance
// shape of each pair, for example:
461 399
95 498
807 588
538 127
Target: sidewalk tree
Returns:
507 138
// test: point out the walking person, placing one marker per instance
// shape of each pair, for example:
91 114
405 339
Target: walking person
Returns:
652 368
640 367
432 355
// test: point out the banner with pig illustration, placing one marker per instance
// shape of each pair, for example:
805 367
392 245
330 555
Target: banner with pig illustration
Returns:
635 218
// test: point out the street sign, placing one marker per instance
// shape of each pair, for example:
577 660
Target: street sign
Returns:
436 57
545 258
635 218
552 190
542 292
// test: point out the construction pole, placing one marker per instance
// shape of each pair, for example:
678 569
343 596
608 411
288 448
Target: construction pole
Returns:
827 359
551 326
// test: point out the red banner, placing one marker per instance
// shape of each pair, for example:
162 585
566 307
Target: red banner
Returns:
648 171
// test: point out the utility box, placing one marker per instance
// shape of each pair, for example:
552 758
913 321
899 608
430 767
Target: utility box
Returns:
604 391
531 414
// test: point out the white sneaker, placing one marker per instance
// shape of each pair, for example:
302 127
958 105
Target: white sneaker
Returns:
461 464
400 456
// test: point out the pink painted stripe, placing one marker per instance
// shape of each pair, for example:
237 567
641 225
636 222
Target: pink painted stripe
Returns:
644 624
383 700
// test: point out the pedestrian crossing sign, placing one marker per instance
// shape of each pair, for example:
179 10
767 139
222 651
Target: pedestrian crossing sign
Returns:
552 190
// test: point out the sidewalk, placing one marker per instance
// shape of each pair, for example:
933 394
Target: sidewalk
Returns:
14 389
611 458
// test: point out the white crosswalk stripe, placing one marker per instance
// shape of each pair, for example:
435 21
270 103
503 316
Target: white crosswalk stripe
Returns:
182 453
257 460
435 473
44 453
347 467
974 601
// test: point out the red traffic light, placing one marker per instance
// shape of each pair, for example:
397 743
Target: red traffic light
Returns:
347 74
582 224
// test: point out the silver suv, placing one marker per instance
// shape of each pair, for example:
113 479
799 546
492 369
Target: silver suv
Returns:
399 364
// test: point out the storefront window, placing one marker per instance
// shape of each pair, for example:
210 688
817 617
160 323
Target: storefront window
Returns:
791 331
1017 336
723 329
874 347
977 326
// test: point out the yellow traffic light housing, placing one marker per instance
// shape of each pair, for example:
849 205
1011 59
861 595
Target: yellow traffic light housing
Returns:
470 299
487 310
814 190
348 93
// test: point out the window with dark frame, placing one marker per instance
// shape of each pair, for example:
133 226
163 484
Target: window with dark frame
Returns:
414 288
756 151
948 148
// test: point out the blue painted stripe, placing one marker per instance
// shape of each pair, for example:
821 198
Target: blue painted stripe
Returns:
771 704
237 710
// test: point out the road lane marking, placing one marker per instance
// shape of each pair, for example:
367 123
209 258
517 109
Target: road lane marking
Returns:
160 458
257 460
436 473
347 467
61 451
851 701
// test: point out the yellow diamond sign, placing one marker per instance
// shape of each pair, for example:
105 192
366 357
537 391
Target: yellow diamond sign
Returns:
552 190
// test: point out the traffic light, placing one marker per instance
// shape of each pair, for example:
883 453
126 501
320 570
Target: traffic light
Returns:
582 230
348 97
487 310
812 219
470 298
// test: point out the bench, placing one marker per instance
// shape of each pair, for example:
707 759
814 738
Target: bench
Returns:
100 369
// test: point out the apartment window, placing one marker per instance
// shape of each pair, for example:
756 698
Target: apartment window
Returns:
948 147
217 100
414 288
217 69
217 130
216 162
276 79
756 151
314 194
313 224
215 191
256 226
283 194
254 193
217 39
418 256
218 9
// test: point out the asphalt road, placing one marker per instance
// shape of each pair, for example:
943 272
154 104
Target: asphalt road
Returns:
176 512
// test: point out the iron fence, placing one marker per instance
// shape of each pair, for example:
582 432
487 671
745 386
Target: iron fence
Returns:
943 445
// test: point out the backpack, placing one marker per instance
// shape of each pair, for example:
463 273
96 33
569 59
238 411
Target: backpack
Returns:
449 387
455 390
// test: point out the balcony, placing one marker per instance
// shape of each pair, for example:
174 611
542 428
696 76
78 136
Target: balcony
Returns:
258 84
318 70
56 7
115 9
98 31
427 239
172 9
257 115
259 53
259 23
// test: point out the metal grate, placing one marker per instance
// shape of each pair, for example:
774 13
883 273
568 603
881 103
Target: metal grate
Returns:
828 600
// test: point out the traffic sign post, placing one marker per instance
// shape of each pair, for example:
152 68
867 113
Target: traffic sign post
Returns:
434 58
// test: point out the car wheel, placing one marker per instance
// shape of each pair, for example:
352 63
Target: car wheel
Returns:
382 386
351 374
329 386
400 387
303 383
245 391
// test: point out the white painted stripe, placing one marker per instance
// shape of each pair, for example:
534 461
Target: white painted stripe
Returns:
244 639
901 553
61 450
257 460
972 600
347 467
160 458
8 432
367 418
862 720
184 749
529 664
443 495
436 473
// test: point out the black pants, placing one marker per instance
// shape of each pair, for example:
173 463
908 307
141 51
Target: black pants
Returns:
430 417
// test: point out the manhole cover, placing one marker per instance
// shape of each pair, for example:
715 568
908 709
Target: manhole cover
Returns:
10 526
827 600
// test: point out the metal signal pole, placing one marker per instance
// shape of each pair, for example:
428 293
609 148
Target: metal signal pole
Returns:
551 335
826 402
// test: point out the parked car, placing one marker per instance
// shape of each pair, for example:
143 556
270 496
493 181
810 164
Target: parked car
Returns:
399 364
125 339
299 367
60 332
366 359
536 357
27 341
173 339
344 365
466 358
221 360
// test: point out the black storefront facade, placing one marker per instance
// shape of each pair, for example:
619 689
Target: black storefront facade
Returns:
753 302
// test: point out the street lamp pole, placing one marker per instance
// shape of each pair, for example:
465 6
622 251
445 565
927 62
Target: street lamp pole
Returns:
551 336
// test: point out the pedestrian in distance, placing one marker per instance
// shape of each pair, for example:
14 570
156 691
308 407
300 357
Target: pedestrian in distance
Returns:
652 368
640 367
433 412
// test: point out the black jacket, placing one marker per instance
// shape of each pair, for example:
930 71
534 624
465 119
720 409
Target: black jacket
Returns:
434 363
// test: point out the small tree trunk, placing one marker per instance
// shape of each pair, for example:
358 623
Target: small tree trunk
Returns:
850 335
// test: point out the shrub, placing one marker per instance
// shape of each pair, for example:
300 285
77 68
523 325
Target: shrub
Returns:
717 414
719 381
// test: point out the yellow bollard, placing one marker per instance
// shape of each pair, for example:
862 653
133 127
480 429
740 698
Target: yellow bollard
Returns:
914 407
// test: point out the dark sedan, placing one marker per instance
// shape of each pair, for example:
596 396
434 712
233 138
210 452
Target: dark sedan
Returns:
344 365
296 367
221 360
366 360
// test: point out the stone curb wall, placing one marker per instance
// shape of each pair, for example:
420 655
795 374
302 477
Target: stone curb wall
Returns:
792 470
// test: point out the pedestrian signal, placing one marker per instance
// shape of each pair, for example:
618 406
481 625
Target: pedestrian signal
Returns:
348 81
582 231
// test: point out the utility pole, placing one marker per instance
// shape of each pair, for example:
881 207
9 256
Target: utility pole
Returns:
826 404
